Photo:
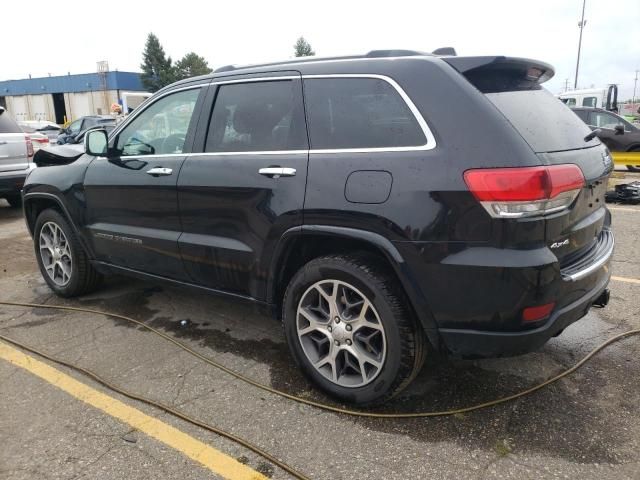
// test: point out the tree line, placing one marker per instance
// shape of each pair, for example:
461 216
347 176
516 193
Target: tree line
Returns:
159 70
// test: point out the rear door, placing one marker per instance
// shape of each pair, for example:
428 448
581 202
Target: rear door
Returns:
246 186
132 212
13 147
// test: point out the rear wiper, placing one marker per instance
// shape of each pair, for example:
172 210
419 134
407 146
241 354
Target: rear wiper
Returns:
592 135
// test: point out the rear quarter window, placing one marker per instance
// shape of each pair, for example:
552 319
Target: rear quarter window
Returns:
7 124
358 113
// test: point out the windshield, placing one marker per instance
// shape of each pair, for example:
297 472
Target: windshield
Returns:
544 122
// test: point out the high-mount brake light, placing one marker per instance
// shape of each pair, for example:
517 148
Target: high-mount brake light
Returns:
525 191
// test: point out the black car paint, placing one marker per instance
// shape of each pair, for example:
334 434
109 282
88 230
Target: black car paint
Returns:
467 276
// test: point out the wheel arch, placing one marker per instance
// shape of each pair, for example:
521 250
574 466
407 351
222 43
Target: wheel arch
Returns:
37 202
300 245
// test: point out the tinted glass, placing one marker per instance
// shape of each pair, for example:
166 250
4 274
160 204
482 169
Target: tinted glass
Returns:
7 125
589 102
570 102
543 121
161 128
260 116
359 113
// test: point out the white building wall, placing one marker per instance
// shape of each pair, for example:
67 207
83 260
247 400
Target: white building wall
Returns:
40 107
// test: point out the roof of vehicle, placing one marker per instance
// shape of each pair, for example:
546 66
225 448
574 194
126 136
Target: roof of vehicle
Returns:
447 54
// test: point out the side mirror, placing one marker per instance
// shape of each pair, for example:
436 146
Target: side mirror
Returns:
619 129
95 143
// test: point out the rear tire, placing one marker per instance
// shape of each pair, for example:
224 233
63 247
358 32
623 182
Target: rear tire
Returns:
350 329
15 201
63 263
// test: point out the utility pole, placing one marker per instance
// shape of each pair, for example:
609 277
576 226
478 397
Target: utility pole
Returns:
635 84
582 23
566 84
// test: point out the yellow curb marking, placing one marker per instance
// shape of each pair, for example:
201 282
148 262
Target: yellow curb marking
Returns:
625 279
202 453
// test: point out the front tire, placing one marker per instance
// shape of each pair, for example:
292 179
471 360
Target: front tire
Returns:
351 330
63 263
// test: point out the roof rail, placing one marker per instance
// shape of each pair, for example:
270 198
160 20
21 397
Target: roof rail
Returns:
445 51
394 53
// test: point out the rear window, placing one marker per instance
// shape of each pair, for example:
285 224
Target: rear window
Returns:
544 122
359 113
7 124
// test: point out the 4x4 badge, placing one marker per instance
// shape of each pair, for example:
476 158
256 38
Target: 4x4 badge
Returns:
559 244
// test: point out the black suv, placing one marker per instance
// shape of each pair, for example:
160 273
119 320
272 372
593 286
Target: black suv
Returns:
380 205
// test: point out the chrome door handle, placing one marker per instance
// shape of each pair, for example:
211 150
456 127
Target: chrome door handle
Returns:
275 172
160 171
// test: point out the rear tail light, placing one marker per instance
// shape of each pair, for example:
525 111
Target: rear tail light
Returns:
539 312
29 146
525 191
40 141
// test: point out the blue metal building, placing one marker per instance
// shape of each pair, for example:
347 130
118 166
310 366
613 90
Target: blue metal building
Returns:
66 97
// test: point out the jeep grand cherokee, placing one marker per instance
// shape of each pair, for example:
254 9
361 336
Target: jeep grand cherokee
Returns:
382 206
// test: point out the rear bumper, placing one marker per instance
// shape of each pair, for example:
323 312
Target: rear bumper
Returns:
475 343
477 295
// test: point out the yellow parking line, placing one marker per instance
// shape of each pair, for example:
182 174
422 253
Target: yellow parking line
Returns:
625 279
206 455
622 209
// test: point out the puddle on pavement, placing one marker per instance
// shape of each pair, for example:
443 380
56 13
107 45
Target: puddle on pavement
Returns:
564 420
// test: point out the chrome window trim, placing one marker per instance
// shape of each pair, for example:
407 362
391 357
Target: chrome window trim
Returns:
430 145
147 103
431 141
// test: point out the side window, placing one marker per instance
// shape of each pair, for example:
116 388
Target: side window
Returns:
589 102
569 102
161 128
257 116
74 127
359 113
604 120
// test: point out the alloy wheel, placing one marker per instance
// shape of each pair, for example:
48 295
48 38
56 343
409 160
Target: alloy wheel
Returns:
341 333
55 253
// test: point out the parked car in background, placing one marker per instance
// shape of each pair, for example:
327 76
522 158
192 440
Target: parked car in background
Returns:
615 132
16 151
76 143
606 98
50 129
39 140
339 195
67 135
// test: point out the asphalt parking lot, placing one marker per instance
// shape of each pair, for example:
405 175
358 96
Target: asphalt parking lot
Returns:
586 426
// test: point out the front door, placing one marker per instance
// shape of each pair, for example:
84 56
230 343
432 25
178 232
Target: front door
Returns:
132 213
247 185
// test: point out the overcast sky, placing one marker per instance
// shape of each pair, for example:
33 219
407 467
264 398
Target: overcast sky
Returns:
40 37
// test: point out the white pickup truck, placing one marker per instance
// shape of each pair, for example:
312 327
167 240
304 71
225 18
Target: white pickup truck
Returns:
16 151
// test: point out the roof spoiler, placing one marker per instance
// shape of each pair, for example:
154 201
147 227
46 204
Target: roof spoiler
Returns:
498 73
445 51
